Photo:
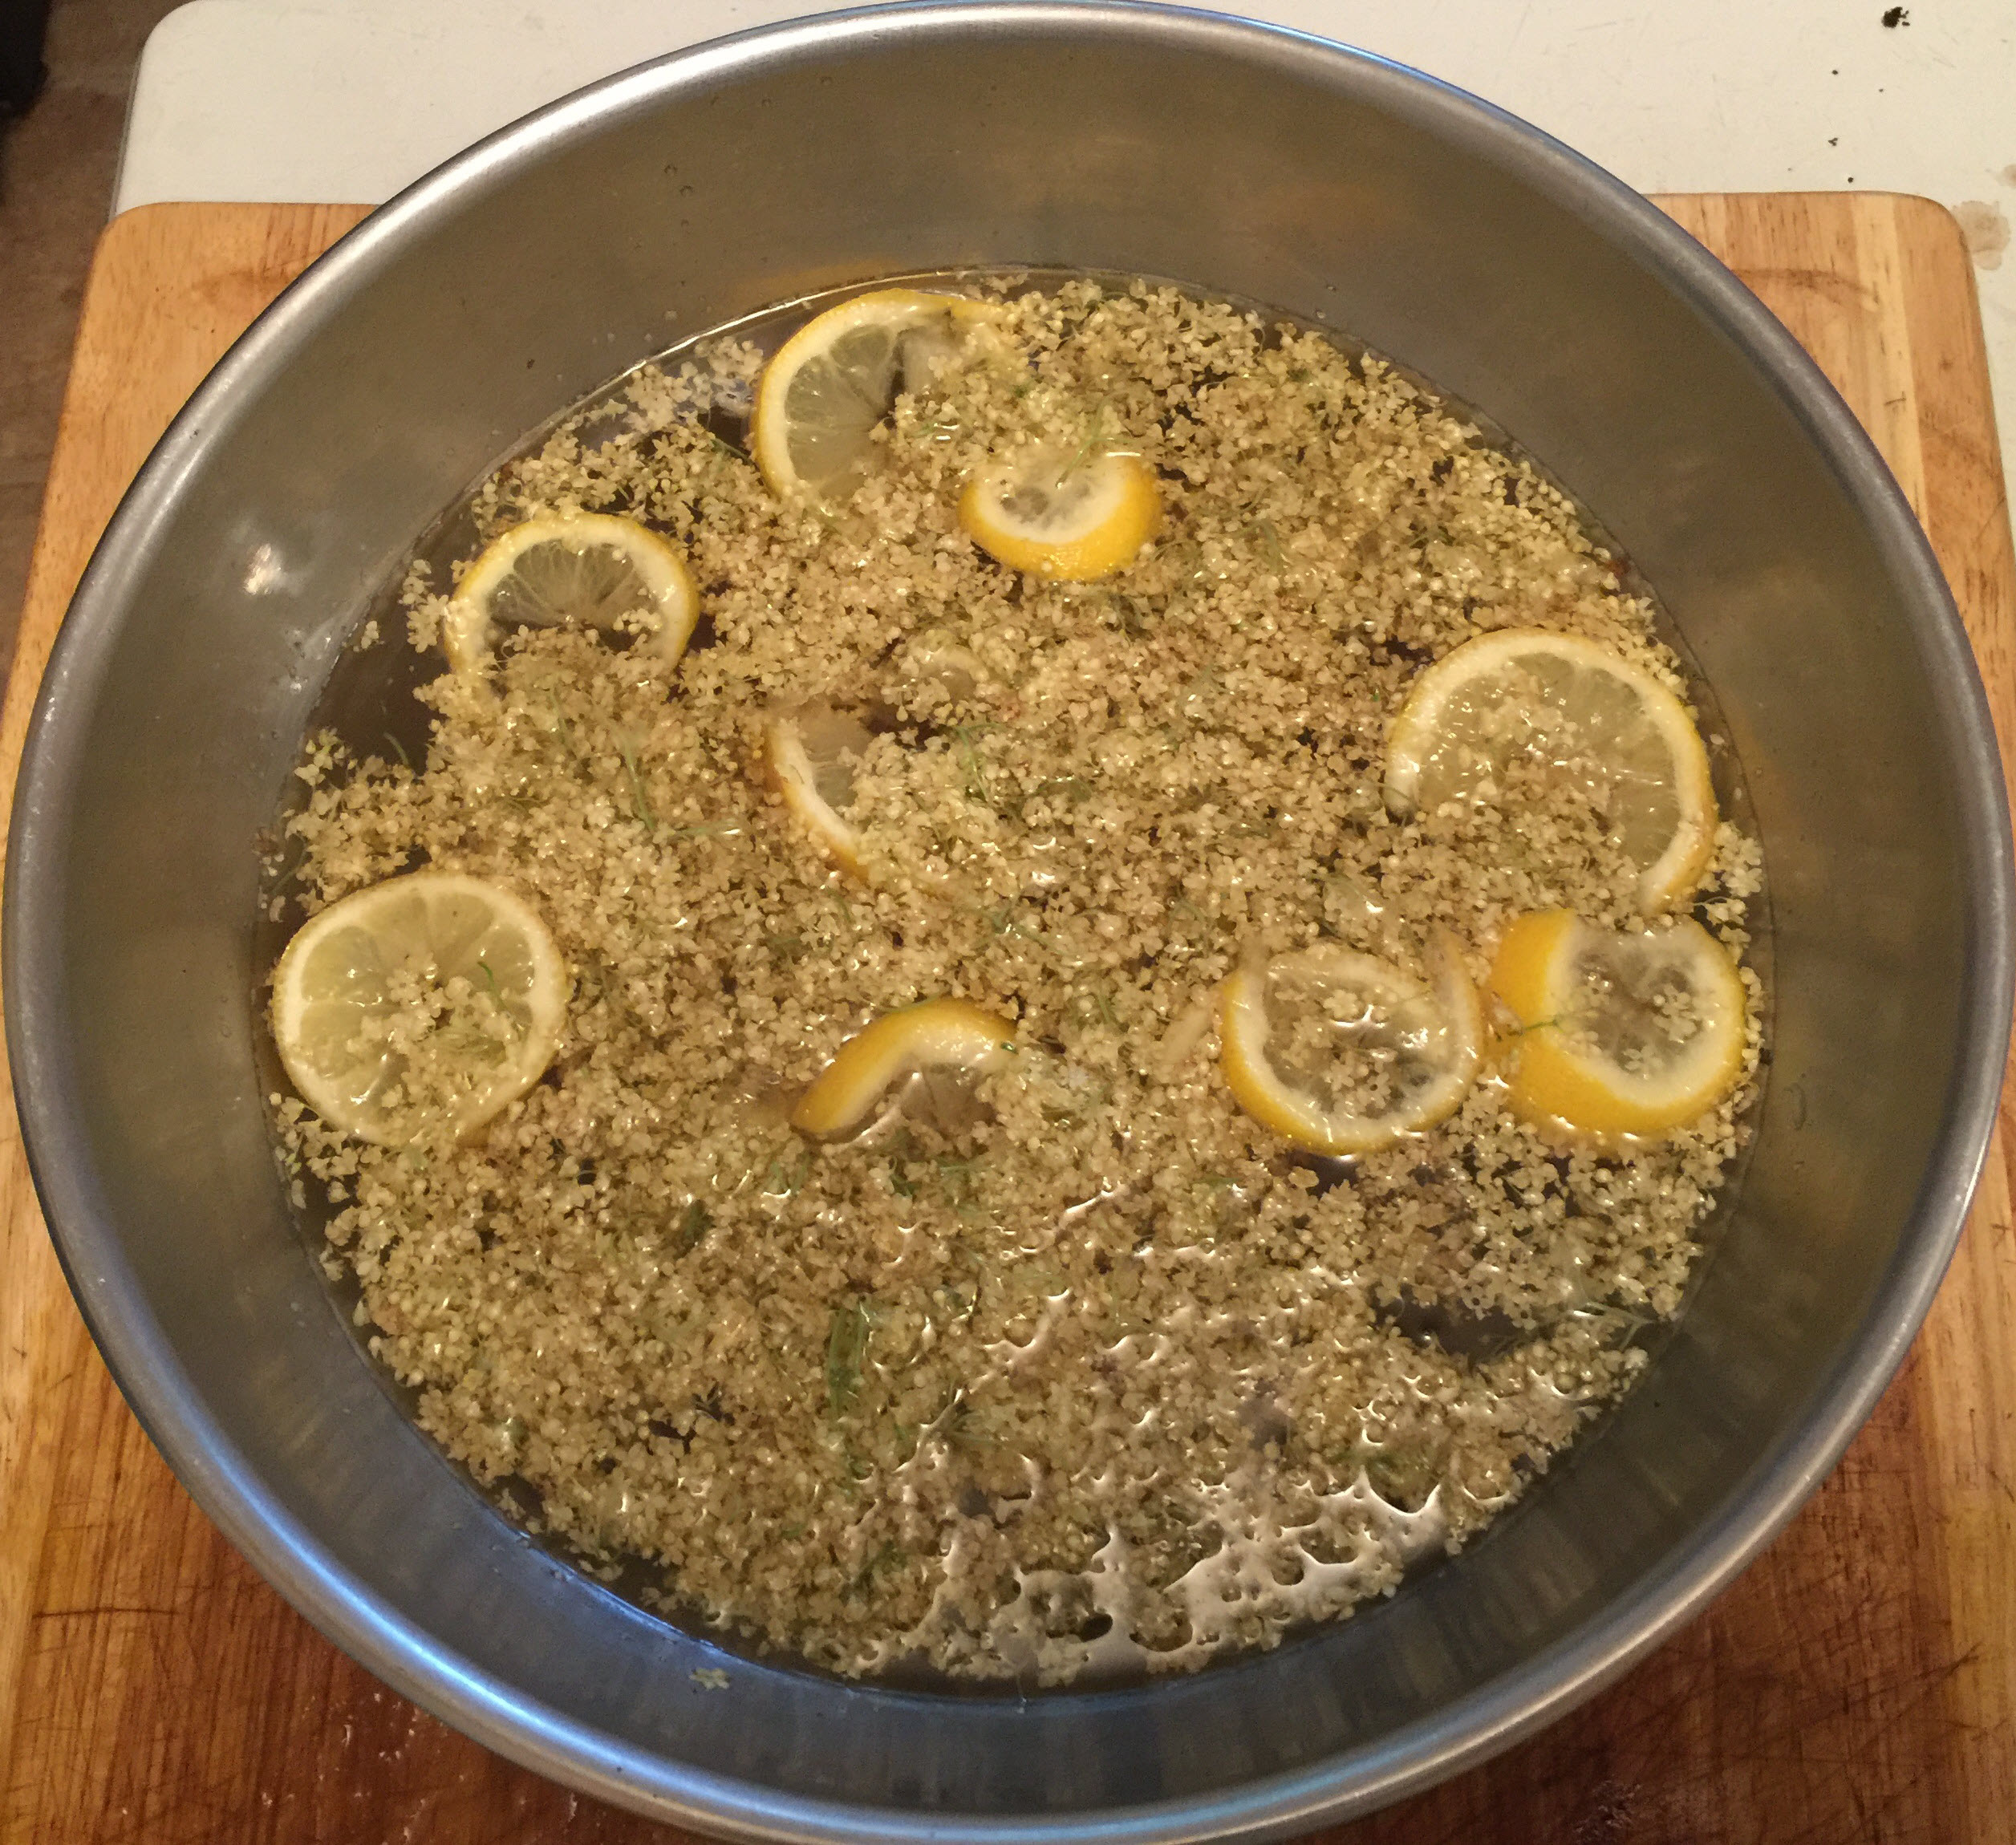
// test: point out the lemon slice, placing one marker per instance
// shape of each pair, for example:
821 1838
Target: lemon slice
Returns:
836 378
934 670
593 568
1342 1052
1062 515
1622 1034
426 1002
1586 712
806 755
933 1035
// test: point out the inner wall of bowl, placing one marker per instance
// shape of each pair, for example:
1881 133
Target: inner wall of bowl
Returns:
1250 165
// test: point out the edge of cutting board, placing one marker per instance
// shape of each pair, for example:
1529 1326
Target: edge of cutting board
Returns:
1859 1682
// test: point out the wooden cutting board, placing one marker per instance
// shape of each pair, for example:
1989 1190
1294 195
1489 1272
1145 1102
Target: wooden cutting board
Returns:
1859 1684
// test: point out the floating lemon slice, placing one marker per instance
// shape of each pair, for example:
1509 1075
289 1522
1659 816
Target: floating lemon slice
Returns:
1630 1034
590 569
1062 515
1587 713
933 1035
427 1002
835 380
934 667
806 753
1343 1053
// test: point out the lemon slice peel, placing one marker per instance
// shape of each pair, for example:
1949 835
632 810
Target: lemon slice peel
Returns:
933 1034
804 758
611 567
1510 691
827 387
1062 516
419 1007
1430 1032
1672 998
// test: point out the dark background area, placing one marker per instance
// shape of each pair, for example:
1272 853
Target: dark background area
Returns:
58 160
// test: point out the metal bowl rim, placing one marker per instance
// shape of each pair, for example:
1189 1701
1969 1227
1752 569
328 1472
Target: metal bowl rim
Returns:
1542 1688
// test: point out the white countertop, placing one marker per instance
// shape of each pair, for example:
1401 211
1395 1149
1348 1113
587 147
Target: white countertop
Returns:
350 100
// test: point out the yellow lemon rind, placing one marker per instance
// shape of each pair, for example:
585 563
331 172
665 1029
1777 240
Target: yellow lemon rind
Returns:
933 1034
1523 969
770 426
1553 1085
466 635
1243 1030
546 1004
1133 519
789 770
1678 871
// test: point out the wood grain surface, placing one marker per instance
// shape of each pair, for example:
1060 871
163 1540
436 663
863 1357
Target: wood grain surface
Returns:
1858 1684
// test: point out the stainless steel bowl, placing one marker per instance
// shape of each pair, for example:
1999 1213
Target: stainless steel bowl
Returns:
1250 162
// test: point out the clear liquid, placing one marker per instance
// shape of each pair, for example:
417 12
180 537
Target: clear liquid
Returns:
1062 1625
